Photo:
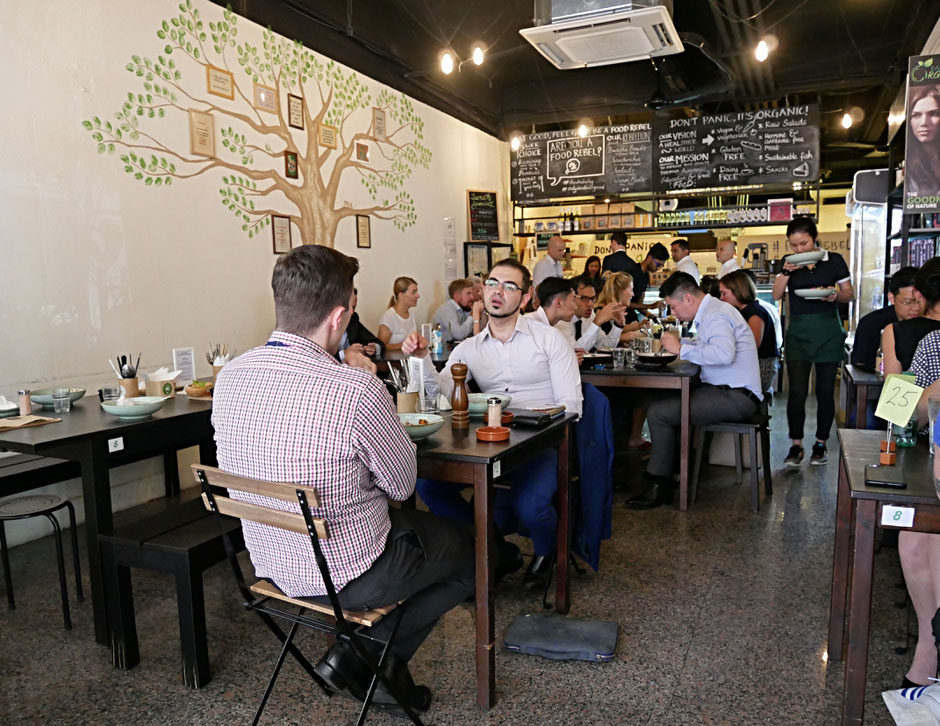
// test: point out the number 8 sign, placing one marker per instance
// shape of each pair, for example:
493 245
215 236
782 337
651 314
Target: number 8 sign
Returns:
898 399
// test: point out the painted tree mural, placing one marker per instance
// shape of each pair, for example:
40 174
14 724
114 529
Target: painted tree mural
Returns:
251 143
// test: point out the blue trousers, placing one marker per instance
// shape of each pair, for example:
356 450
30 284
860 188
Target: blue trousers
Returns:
527 508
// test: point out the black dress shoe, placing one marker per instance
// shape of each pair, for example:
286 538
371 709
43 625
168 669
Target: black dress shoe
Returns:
658 494
510 558
417 698
537 572
343 672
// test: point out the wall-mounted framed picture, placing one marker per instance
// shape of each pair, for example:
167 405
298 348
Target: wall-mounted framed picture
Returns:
265 98
290 164
363 230
220 82
378 124
327 135
201 133
295 111
362 152
280 234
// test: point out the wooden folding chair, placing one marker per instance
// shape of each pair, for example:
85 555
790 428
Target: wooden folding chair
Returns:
262 596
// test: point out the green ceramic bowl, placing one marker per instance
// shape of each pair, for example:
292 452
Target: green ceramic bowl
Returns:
478 402
134 408
420 431
44 395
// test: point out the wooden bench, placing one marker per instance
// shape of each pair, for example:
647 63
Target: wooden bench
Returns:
183 539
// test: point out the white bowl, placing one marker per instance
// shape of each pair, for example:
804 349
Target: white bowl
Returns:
132 408
44 395
479 402
815 293
806 258
418 430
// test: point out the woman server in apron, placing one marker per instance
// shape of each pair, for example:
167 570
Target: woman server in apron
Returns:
815 336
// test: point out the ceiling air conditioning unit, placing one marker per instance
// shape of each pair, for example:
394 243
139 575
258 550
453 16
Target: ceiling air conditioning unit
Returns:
585 33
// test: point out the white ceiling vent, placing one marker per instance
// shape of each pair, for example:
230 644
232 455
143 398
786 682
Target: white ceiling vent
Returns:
600 40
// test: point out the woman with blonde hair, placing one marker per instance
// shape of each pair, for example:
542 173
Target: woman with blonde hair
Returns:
618 287
397 321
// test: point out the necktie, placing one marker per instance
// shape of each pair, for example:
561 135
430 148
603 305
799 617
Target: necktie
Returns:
577 329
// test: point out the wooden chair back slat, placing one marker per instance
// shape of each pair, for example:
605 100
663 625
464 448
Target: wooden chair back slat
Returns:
265 515
285 491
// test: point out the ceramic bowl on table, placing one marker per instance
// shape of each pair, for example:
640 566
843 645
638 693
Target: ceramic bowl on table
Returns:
198 391
43 396
479 402
656 359
134 408
420 425
806 258
815 293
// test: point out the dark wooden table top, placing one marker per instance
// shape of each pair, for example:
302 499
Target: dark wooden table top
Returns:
87 418
462 444
865 378
677 369
861 447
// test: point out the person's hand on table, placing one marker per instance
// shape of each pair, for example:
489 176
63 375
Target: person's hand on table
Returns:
357 359
611 311
628 335
414 344
579 352
671 342
369 348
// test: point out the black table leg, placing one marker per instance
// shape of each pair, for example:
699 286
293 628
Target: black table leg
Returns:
96 489
171 473
125 651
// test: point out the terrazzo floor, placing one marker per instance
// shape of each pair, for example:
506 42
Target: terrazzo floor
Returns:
723 616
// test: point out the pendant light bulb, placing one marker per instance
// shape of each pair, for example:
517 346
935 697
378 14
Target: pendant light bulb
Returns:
582 130
477 55
515 142
447 63
847 121
762 51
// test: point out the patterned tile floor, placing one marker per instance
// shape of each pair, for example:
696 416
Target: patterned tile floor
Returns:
723 617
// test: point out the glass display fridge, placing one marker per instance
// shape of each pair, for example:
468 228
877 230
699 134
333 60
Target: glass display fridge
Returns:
866 206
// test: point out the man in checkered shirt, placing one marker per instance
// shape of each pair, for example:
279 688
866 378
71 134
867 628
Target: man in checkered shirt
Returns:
290 411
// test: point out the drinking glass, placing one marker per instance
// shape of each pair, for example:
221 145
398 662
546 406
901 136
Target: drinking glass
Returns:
620 357
428 403
111 393
60 400
426 331
630 353
644 345
933 410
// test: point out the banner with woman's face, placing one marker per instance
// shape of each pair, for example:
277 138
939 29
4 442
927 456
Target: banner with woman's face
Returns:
922 162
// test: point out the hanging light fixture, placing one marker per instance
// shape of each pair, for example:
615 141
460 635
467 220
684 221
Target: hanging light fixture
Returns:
847 121
477 54
447 62
515 141
583 129
762 51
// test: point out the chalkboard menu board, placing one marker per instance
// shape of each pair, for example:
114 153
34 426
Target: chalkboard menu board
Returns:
482 215
769 146
608 160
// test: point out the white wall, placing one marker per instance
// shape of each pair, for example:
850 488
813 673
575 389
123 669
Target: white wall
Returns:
93 263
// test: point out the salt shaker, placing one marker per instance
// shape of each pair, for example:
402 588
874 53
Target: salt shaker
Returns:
494 411
25 404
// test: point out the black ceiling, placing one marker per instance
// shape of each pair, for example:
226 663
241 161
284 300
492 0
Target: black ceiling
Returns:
840 53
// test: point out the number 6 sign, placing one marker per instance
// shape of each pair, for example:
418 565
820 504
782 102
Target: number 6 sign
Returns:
898 399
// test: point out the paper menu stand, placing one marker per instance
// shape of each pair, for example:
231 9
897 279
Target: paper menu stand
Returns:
896 405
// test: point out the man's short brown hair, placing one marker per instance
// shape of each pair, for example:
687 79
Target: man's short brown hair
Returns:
457 286
516 265
308 282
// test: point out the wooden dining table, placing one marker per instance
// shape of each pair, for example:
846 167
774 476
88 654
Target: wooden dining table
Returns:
455 455
98 442
857 387
860 510
677 376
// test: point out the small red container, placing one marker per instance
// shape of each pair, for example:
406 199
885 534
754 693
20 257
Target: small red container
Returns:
507 418
493 433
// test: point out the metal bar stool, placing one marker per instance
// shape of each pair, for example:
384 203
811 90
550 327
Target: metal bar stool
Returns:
42 505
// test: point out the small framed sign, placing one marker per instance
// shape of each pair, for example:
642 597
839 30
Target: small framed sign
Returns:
220 82
201 133
265 98
280 233
326 135
378 124
290 164
363 230
184 362
295 111
362 152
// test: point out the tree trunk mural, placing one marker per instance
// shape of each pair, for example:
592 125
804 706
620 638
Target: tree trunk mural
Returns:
254 141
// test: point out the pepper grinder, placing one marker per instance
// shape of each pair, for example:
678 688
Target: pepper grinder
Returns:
459 401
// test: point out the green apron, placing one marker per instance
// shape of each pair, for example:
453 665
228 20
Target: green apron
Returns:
816 337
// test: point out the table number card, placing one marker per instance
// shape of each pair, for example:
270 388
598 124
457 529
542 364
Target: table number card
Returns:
898 399
897 516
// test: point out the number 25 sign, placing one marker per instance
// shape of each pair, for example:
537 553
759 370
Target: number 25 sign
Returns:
898 399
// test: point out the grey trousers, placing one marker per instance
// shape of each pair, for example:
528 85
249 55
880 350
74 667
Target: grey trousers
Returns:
709 404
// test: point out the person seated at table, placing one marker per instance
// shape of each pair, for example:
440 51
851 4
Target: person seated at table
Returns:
619 289
619 261
397 321
904 303
358 339
454 316
899 340
725 349
682 256
738 290
583 331
269 405
534 364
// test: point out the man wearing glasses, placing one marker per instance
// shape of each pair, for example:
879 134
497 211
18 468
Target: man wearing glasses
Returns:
584 332
533 363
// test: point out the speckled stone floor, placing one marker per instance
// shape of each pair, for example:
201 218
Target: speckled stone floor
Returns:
723 617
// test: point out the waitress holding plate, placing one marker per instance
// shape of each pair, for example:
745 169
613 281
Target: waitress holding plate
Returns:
816 281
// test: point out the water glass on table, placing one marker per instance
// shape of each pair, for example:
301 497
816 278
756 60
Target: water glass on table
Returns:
619 356
933 410
427 403
61 403
111 393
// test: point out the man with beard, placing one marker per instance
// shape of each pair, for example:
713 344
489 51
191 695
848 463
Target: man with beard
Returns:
454 315
534 364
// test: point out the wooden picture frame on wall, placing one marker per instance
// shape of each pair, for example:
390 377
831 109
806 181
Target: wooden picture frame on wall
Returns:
201 133
363 231
327 135
220 82
290 165
280 234
483 224
295 111
265 98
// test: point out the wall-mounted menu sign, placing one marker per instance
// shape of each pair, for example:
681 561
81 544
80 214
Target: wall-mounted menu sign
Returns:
769 146
608 160
482 215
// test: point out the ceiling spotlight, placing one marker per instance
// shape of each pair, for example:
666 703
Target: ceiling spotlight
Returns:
447 63
606 200
762 51
582 130
514 142
477 55
847 121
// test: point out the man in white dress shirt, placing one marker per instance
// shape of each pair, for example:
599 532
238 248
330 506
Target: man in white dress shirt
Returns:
550 265
727 256
454 315
533 363
724 347
683 260
584 332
